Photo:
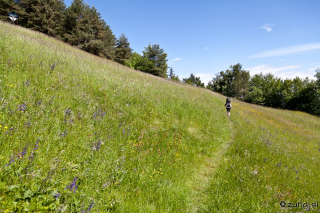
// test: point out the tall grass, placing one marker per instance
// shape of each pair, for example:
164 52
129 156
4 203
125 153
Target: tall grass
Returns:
274 158
81 133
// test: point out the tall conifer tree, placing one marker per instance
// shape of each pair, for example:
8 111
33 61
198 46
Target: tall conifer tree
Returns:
123 50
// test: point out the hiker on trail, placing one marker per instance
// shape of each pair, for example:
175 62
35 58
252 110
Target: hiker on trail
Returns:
228 106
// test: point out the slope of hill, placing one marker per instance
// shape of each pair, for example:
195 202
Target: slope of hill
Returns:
81 133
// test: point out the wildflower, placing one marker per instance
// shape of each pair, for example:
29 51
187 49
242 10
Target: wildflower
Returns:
95 115
53 66
73 185
27 83
61 208
97 146
68 112
64 134
56 196
28 124
90 207
22 107
39 102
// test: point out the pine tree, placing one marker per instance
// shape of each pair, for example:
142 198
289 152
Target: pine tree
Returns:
172 76
44 16
159 59
123 51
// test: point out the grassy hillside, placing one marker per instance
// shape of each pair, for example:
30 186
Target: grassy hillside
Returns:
81 133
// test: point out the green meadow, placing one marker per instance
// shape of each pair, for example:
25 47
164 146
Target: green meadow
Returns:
79 133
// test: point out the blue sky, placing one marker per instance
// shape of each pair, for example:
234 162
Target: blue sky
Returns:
206 37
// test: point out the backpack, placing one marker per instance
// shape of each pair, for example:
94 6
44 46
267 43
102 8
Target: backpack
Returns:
228 105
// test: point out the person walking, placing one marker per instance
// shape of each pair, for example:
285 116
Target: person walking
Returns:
228 106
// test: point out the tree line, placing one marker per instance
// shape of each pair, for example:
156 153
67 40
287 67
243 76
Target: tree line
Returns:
82 26
268 90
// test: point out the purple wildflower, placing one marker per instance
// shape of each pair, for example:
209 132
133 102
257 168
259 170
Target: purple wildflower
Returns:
64 134
39 102
12 157
53 66
27 83
97 146
106 184
73 185
22 107
28 124
56 196
120 124
34 150
61 208
24 151
68 112
90 207
95 115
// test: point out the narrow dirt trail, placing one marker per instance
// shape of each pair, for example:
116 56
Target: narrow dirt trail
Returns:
204 175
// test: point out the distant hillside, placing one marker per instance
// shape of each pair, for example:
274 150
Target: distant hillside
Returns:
81 133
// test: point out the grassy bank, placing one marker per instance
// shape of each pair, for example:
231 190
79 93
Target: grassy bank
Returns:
81 133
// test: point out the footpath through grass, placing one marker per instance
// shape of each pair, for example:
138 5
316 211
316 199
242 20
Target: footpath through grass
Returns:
272 165
80 133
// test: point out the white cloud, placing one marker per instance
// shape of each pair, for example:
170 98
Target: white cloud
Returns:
176 59
285 72
205 78
287 50
269 69
267 27
313 69
206 48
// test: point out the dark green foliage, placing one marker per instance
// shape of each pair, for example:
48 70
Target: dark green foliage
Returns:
317 75
123 51
45 16
139 62
268 90
159 59
6 6
85 29
172 76
195 81
234 82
